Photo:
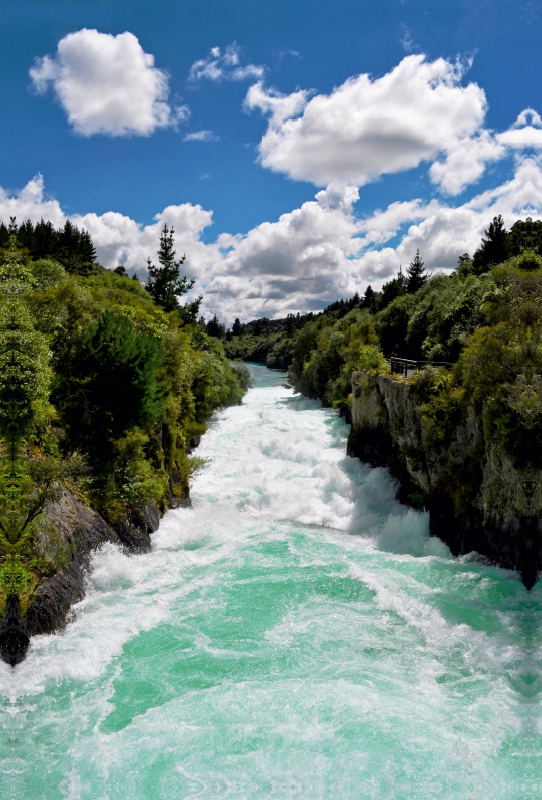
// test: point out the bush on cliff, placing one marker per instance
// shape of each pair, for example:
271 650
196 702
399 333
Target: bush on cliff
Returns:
498 371
94 371
325 353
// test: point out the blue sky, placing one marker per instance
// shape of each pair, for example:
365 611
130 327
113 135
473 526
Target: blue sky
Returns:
276 124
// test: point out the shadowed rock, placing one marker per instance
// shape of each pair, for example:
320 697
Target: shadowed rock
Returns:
73 531
14 638
477 499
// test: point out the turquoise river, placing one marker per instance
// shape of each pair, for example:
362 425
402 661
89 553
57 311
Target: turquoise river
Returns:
295 634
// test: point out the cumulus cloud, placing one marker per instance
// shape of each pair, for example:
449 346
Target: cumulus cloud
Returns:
526 132
223 65
118 238
278 106
308 257
365 128
107 85
322 251
201 136
466 161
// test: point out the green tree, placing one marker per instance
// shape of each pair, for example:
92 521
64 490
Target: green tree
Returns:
45 240
369 299
24 388
524 235
494 249
215 328
25 235
112 386
416 277
392 289
164 282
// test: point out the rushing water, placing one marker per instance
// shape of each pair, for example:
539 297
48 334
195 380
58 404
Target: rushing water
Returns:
295 634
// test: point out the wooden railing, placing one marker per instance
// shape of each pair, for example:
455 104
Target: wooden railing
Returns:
402 366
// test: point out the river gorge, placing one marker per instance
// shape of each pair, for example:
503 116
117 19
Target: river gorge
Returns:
296 633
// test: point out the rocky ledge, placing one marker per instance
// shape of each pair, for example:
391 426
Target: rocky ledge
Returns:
476 498
69 532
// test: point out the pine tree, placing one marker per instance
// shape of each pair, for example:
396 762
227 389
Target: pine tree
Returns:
416 276
4 235
236 327
67 248
87 251
291 325
524 235
391 290
45 240
494 249
369 299
401 280
189 311
215 328
165 283
69 237
25 235
354 301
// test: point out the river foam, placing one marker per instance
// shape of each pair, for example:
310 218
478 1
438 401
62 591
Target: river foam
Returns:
297 633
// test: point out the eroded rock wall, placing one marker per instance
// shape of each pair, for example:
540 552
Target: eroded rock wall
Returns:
69 532
477 499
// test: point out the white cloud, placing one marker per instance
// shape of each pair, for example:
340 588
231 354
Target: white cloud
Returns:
118 238
224 65
308 257
279 106
466 161
308 241
30 203
444 232
526 132
107 84
367 127
322 252
201 136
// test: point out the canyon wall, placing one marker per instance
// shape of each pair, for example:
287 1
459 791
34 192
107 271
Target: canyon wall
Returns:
476 498
69 532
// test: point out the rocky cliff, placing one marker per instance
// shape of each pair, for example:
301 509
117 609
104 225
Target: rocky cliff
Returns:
477 499
68 533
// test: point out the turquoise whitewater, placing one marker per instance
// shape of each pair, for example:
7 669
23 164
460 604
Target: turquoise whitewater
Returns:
296 633
270 400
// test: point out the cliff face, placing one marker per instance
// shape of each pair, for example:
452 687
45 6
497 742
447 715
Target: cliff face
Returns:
69 532
476 498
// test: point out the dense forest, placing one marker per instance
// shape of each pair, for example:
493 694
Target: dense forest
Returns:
414 316
105 384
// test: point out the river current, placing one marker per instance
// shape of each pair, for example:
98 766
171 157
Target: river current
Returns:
295 634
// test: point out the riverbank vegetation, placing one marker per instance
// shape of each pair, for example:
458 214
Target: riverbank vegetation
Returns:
442 318
105 385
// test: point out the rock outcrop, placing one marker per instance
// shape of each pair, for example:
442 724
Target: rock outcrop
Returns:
14 638
69 532
477 499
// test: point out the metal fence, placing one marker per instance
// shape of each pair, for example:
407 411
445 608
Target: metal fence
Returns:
404 366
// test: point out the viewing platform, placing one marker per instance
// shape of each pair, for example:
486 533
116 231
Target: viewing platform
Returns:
405 366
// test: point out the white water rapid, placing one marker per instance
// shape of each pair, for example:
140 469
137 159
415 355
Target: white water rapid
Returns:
296 634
